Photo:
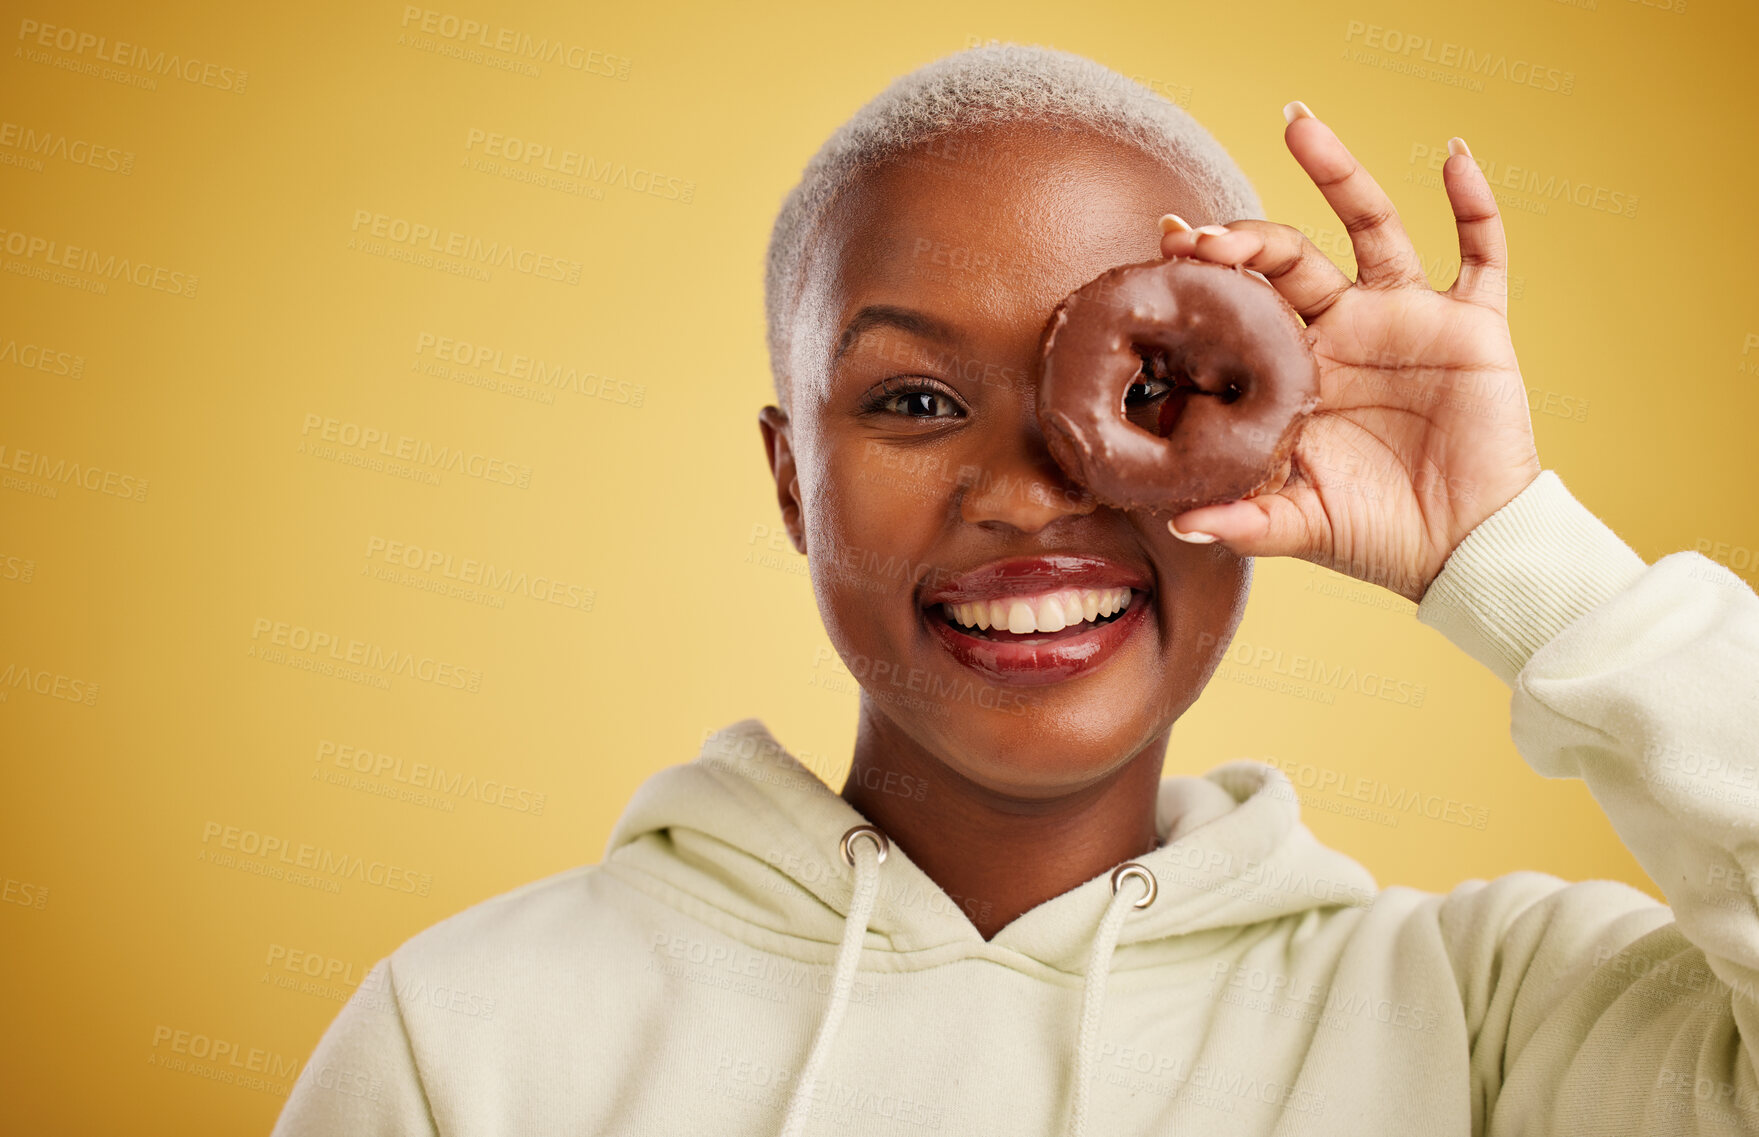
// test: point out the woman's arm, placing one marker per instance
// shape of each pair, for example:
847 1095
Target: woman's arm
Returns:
362 1078
1590 1008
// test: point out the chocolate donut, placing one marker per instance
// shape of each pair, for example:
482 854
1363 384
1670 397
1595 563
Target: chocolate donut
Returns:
1243 380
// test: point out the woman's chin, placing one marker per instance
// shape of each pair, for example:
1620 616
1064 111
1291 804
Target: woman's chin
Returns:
1039 757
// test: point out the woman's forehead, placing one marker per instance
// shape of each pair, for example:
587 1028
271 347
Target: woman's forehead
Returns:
1021 191
997 224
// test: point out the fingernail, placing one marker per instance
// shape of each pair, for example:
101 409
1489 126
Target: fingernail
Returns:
1173 223
1458 146
1211 230
1195 537
1297 109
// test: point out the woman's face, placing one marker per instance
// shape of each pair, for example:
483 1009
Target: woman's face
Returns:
912 461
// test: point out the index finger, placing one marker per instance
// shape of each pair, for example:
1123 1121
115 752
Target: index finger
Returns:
1384 253
1295 267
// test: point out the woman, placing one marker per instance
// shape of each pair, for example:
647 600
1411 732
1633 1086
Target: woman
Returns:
1008 921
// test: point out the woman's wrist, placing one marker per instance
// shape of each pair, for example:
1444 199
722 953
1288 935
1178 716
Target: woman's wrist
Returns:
1524 574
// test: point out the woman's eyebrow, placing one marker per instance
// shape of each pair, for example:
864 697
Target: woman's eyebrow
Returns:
891 315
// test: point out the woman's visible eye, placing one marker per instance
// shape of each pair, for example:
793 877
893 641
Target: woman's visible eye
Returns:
1152 379
1145 390
913 398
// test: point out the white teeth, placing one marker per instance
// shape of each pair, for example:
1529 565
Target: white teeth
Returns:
1044 612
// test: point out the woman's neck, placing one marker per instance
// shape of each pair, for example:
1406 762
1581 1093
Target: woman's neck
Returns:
998 855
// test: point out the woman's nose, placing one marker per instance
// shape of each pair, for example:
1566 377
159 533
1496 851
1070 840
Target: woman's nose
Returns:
1015 482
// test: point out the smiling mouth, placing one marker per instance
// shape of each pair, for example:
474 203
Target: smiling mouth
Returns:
1043 619
1046 651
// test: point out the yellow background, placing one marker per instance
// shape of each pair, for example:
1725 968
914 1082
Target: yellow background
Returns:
1638 333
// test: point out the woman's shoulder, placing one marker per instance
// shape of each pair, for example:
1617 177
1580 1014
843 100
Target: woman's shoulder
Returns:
1528 918
545 920
1485 905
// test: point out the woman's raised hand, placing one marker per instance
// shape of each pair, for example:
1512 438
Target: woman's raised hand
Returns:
1423 429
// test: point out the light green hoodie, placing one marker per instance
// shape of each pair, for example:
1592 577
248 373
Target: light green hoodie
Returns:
726 971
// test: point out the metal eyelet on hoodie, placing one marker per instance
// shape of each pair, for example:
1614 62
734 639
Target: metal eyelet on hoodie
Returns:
864 892
1099 965
879 842
1127 869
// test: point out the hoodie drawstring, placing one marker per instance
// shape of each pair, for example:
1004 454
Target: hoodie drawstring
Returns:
1099 967
866 862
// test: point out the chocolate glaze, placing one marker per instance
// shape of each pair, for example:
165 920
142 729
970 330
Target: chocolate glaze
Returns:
1244 380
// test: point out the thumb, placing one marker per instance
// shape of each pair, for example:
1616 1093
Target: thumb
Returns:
1276 524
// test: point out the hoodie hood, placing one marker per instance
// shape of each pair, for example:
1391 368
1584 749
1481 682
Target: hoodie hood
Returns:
747 829
749 833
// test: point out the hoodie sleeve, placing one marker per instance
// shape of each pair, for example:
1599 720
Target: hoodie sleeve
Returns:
1590 1008
362 1080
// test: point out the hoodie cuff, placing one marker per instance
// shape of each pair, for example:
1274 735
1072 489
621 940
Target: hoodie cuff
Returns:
1524 573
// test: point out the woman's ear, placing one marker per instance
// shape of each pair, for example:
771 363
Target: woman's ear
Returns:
779 453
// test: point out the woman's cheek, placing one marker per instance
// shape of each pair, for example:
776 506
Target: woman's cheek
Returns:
870 547
1209 613
890 499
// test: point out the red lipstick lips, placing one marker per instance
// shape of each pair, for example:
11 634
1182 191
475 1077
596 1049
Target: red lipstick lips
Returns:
1038 658
1019 576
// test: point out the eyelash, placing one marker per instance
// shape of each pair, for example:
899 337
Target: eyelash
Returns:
1146 381
877 402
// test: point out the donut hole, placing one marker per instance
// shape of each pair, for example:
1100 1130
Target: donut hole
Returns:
1172 408
1159 411
1158 383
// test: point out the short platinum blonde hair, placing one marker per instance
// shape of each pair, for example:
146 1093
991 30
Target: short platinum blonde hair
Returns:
982 86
